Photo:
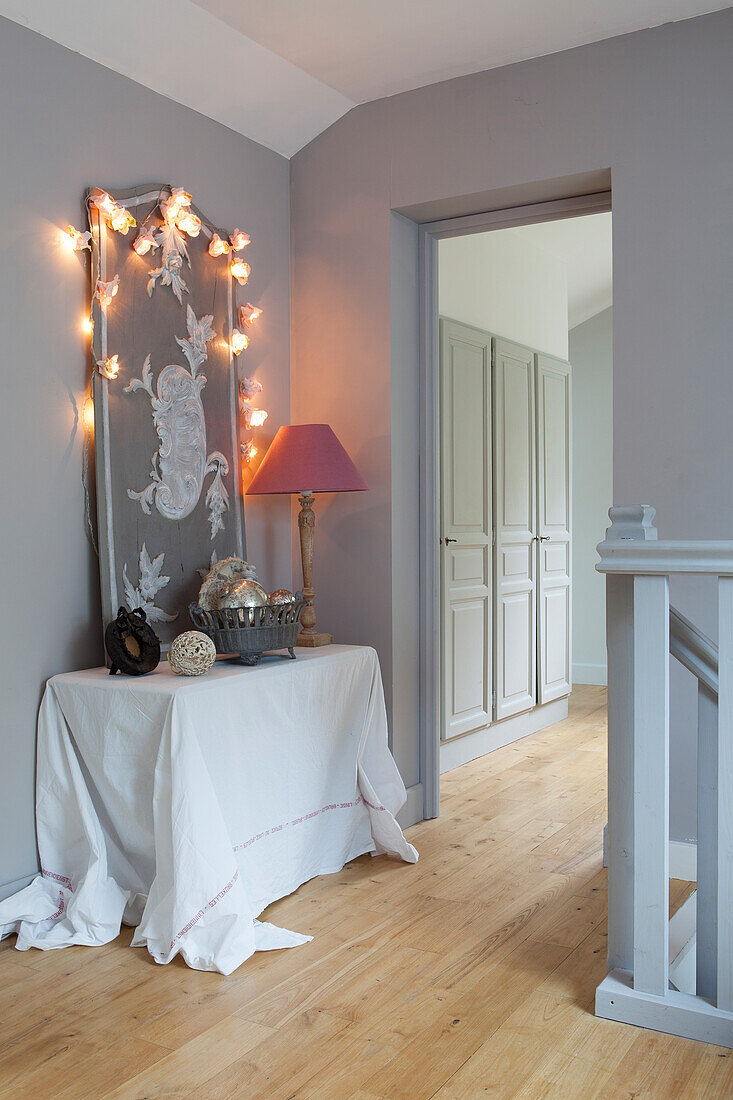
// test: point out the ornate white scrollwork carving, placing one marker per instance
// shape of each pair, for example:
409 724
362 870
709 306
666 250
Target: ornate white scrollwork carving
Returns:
180 464
173 253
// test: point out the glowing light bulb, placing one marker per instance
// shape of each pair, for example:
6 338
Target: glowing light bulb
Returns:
239 240
78 241
187 222
240 271
217 246
105 292
144 241
87 326
109 368
248 314
239 341
254 418
249 388
104 203
174 204
87 415
121 220
248 450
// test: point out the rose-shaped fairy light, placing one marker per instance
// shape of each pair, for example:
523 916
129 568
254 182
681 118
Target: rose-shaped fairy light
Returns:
104 203
121 220
144 241
239 341
240 270
188 223
105 292
218 247
109 368
78 241
248 450
171 207
248 314
249 388
254 418
239 240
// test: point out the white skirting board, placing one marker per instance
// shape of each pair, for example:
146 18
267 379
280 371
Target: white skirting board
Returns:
590 674
7 889
412 811
682 858
472 745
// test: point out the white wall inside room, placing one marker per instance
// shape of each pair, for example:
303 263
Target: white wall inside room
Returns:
503 283
590 352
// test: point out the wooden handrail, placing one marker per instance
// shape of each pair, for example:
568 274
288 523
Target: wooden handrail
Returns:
693 649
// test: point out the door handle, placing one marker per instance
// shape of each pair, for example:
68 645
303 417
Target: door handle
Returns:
446 541
540 538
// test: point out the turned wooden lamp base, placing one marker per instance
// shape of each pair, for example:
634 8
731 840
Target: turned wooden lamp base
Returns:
315 639
309 636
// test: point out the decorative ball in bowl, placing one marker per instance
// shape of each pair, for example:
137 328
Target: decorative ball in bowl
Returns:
221 577
191 653
247 593
281 596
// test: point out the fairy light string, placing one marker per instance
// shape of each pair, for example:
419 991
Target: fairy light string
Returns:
102 209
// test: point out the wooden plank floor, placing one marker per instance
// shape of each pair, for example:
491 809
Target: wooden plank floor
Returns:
471 974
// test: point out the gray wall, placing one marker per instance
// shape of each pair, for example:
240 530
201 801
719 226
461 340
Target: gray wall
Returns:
66 123
652 107
591 355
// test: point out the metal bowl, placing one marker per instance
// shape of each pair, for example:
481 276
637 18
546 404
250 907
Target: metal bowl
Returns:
247 633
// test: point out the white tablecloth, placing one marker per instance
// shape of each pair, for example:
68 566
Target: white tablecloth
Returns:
186 806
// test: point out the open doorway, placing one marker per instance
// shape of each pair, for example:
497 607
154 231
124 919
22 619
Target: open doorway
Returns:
524 434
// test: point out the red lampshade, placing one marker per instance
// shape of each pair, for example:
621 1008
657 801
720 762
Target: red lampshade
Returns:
306 456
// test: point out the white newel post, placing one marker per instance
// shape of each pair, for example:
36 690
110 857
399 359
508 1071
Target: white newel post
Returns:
706 947
724 808
642 633
651 784
626 523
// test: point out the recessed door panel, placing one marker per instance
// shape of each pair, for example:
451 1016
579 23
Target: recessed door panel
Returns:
466 507
554 526
468 565
517 673
468 633
515 522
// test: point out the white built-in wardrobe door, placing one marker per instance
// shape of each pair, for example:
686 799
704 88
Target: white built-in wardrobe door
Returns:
553 501
466 522
515 515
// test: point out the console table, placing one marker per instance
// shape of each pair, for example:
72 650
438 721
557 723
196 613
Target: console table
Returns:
185 806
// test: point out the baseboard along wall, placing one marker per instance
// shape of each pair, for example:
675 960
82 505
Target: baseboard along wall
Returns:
496 736
590 674
682 858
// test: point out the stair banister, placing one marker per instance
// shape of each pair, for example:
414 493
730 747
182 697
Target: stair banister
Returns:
642 631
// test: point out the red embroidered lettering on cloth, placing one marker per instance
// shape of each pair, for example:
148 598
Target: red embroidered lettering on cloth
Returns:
62 905
57 878
305 817
209 905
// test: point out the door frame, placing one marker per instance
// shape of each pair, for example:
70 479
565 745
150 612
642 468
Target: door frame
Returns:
429 234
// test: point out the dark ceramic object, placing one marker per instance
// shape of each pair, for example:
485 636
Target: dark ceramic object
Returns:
131 643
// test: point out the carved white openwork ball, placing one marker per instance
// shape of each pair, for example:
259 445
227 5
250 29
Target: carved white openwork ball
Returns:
191 653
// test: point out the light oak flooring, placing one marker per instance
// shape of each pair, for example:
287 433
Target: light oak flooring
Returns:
471 974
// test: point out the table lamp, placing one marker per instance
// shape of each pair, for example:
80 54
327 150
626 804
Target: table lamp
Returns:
307 459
